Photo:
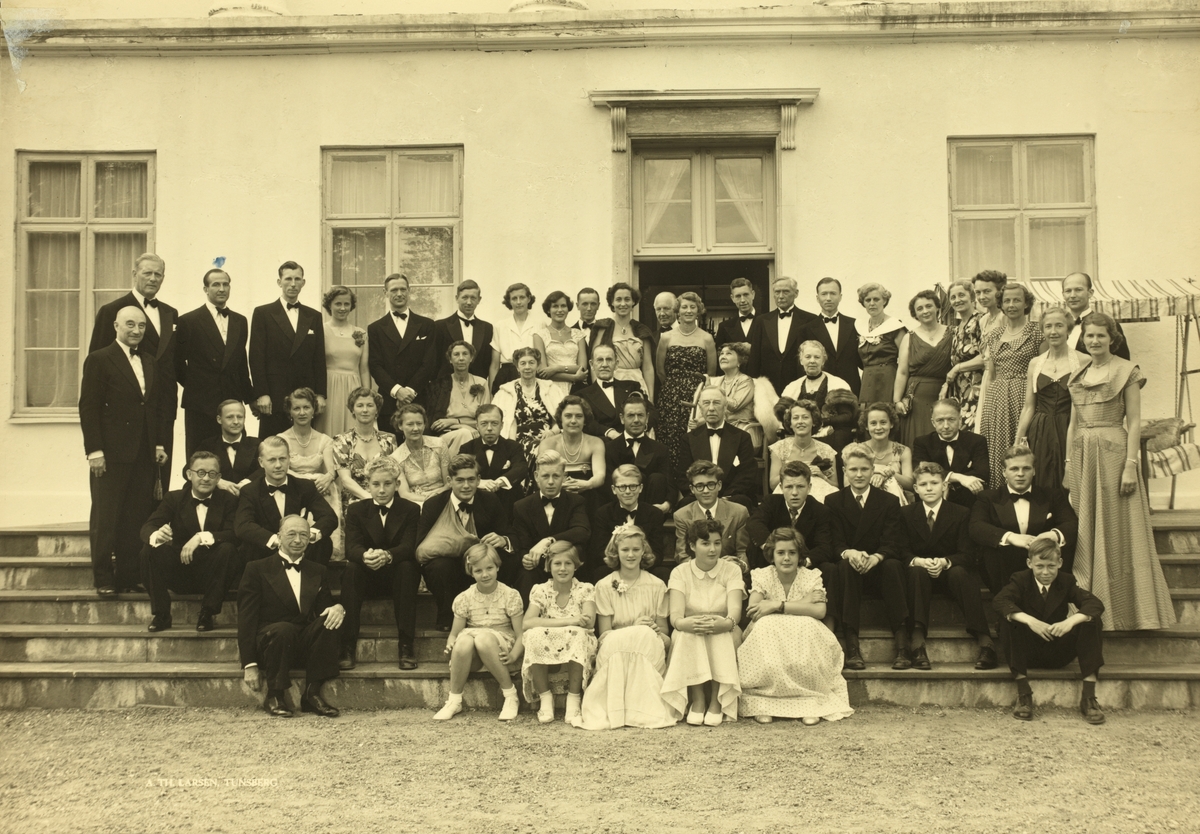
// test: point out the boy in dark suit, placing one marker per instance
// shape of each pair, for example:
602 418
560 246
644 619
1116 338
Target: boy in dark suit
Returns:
503 469
402 351
628 508
1039 631
864 526
540 520
962 454
633 446
287 618
190 544
1005 522
237 452
725 445
937 550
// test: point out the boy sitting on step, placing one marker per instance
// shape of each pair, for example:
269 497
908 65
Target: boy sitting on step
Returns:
1038 629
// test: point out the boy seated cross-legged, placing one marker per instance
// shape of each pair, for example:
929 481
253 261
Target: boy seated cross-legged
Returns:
1039 631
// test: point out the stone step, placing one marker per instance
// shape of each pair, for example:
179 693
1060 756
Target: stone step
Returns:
1181 570
50 540
383 686
71 573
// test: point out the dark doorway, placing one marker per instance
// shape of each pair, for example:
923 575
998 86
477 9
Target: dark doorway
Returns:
709 279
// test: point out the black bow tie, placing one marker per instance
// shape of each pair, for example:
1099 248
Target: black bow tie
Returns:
293 305
466 322
401 316
465 507
665 328
1019 496
289 565
203 501
272 489
152 302
632 440
830 320
547 500
609 383
714 432
383 509
232 445
749 317
491 447
586 325
786 315
133 351
222 312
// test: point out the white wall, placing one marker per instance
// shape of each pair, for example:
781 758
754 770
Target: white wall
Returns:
864 197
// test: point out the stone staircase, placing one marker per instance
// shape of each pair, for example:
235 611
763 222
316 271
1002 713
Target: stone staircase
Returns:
62 646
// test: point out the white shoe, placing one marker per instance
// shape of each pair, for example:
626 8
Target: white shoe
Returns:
451 709
509 711
545 713
695 718
713 719
574 708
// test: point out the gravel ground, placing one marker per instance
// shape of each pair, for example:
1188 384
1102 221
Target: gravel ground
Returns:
884 769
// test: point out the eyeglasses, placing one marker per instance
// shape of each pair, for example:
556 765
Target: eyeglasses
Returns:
627 487
206 473
706 487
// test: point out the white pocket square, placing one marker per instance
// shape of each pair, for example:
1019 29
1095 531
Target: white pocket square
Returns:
420 338
736 461
507 464
1049 516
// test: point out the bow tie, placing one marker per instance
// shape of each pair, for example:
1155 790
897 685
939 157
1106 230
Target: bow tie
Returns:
232 445
746 318
466 322
222 312
665 328
133 351
383 509
203 501
607 383
830 320
293 305
401 316
1019 496
586 325
491 447
632 440
714 432
288 565
786 315
152 302
547 500
272 489
465 507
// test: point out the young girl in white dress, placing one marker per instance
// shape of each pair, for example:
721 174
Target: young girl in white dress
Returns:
486 632
558 632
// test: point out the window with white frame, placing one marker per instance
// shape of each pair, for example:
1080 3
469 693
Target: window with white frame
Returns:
392 210
82 219
1024 206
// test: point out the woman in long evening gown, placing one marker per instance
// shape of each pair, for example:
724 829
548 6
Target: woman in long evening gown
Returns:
1047 412
963 378
1115 557
685 355
924 362
878 345
345 361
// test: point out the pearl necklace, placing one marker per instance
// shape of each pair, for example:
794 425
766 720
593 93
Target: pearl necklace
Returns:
572 457
302 443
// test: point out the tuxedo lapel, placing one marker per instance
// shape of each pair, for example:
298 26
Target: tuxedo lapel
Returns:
304 323
388 530
1007 513
245 449
600 404
310 584
727 450
277 577
1039 508
167 316
771 329
279 316
270 511
847 336
126 370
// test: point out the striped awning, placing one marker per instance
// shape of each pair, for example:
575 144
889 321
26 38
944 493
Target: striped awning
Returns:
1129 299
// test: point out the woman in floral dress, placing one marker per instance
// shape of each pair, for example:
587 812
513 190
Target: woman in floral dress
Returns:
352 450
962 383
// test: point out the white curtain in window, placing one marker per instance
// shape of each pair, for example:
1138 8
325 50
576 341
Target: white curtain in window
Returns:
1056 174
54 189
426 184
1057 247
662 177
359 186
983 175
742 181
121 189
114 257
986 244
52 294
360 261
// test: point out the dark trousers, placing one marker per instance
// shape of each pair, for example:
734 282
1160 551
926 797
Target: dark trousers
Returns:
1026 650
884 580
284 646
207 574
959 584
122 500
277 422
398 582
1000 564
198 426
446 578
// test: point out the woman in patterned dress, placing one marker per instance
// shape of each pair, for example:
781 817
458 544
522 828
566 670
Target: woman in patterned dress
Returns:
632 341
924 361
558 632
564 351
966 368
802 419
352 450
345 359
311 456
1115 558
528 405
878 345
424 463
1047 412
893 461
791 664
685 355
1008 350
454 399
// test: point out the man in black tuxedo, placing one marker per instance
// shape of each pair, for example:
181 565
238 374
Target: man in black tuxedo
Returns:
403 351
775 337
607 395
159 341
1077 294
190 544
634 446
120 413
587 303
1039 630
465 327
666 310
287 618
1005 522
451 522
795 508
725 445
272 495
287 351
503 469
963 454
210 359
381 560
541 519
836 333
937 550
237 452
628 508
865 533
736 328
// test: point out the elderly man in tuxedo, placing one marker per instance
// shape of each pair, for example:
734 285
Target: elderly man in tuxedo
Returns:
666 310
287 351
836 333
210 359
463 325
190 544
725 445
736 328
402 349
607 395
962 454
159 341
1077 294
503 468
286 619
775 337
551 514
236 451
634 446
1005 522
121 406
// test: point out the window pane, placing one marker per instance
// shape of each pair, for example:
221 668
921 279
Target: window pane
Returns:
426 254
114 260
668 201
1056 174
434 302
986 244
53 261
121 189
983 175
54 189
359 257
359 186
427 184
1057 247
739 190
52 319
51 378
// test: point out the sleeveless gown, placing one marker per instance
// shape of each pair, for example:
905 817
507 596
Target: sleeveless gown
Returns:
927 368
1047 432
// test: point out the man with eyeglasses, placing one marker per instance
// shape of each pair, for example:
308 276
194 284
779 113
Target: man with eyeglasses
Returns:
190 544
629 508
704 480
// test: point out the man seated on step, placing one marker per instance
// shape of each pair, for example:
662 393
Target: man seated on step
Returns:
1039 631
704 480
237 451
190 545
272 495
381 560
937 549
628 508
503 469
724 444
963 454
635 447
607 396
287 619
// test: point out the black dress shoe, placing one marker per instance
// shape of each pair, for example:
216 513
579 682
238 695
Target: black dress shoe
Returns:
277 706
854 658
1023 711
920 659
987 658
205 622
346 661
133 589
106 591
408 660
159 624
314 703
904 659
1090 709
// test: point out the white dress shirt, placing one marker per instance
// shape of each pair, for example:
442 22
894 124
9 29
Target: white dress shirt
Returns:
221 321
293 315
401 324
1073 336
152 314
293 578
745 325
714 440
785 327
136 363
549 508
831 327
279 497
